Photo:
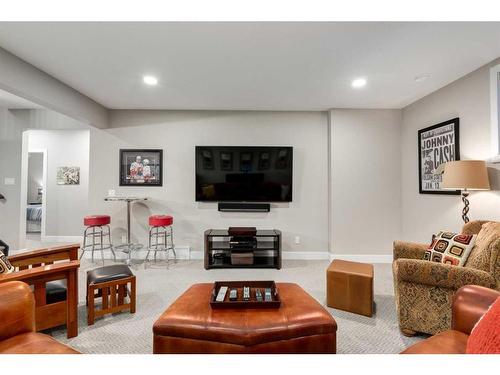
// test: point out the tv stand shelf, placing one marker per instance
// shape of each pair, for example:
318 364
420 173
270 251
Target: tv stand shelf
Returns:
266 252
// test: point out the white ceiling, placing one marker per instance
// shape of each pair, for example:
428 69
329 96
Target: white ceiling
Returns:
8 100
254 66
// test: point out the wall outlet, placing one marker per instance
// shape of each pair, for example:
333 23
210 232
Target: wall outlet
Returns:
297 240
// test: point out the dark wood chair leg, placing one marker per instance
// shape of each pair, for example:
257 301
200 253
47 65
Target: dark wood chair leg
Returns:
132 295
91 306
72 304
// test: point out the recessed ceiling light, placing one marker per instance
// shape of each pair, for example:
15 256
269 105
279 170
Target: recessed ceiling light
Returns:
421 78
358 83
150 80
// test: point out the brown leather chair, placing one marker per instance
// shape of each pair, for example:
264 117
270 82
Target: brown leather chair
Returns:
470 303
17 323
53 274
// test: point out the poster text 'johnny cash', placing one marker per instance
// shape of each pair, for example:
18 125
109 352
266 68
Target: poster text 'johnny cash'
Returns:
437 147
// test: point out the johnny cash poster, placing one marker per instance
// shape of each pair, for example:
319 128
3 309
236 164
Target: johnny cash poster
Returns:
436 145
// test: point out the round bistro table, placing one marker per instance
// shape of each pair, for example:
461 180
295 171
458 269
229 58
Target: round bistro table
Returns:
129 246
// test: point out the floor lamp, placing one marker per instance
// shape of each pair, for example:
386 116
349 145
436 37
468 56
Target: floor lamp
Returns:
465 175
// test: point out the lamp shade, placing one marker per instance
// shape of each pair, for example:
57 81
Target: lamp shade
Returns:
466 174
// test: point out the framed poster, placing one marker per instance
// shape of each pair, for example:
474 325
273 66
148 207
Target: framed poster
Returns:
437 144
141 167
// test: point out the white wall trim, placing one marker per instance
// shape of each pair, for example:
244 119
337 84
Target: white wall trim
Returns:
305 255
286 255
182 252
494 86
364 258
70 239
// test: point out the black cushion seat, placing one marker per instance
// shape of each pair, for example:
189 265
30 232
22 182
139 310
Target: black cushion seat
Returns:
55 291
108 273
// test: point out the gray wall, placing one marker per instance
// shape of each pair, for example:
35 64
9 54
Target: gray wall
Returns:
12 125
177 133
66 204
365 181
469 99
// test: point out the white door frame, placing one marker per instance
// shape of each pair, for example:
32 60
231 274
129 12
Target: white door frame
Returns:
24 189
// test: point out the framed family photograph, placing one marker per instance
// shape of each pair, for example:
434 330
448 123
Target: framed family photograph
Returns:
437 144
141 167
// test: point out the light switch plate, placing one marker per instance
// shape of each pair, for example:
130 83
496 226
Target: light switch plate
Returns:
9 181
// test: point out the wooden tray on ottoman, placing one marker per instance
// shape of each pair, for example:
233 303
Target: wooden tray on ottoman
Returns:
252 303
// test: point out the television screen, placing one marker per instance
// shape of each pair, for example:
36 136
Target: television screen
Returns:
244 174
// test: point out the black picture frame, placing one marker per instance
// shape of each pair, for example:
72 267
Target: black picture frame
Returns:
446 127
282 159
154 176
207 159
246 162
264 160
226 161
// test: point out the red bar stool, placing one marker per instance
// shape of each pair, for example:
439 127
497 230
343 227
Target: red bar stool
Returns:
161 234
97 235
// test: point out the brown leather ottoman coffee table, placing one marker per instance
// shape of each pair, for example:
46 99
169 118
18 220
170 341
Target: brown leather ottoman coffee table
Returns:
349 286
299 325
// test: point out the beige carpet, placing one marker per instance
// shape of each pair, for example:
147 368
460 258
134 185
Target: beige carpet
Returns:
158 286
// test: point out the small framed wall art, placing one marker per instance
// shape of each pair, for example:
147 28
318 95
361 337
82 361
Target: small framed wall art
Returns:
437 144
68 175
141 167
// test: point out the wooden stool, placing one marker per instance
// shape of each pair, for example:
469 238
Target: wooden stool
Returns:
349 287
112 285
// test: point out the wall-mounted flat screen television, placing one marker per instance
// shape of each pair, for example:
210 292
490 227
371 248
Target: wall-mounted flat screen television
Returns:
244 174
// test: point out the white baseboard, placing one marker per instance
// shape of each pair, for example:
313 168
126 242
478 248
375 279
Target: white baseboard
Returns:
71 239
305 255
181 252
364 258
196 255
286 255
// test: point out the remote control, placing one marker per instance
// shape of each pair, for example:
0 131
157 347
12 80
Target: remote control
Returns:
246 293
267 295
222 294
258 295
233 295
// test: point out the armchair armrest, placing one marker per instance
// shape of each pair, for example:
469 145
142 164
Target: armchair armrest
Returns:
45 256
439 274
17 309
408 250
39 272
470 303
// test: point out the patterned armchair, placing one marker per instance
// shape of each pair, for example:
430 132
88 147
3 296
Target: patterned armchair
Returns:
424 290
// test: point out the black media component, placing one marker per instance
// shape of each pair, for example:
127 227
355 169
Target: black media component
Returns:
258 295
233 295
243 207
267 295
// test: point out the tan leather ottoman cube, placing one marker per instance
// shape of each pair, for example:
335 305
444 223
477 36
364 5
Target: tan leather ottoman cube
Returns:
299 325
349 287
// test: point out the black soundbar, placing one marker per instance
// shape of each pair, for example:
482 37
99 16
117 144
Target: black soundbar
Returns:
244 207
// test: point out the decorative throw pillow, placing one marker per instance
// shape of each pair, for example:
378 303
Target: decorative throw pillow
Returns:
450 248
5 266
485 336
